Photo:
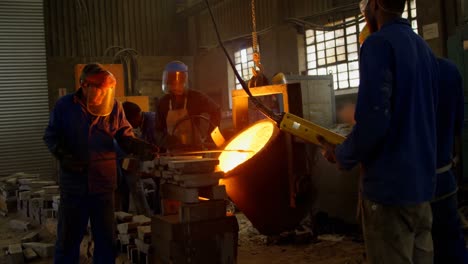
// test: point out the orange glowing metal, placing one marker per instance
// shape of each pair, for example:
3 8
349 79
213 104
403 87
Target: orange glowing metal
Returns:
252 139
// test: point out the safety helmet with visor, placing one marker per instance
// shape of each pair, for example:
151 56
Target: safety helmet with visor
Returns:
363 5
365 31
98 87
175 78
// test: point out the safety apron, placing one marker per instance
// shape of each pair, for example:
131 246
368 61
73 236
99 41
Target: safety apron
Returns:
183 129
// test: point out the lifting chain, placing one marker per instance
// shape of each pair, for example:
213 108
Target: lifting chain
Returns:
256 52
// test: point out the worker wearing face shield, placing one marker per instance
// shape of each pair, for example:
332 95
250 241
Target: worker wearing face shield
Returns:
178 107
80 134
394 137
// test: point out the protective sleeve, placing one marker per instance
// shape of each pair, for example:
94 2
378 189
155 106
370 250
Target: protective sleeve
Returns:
373 108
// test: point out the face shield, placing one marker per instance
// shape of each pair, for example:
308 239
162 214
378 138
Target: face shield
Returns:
175 82
363 5
100 92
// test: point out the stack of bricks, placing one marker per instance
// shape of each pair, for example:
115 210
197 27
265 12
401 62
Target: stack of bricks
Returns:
37 202
9 191
33 197
134 236
193 226
7 198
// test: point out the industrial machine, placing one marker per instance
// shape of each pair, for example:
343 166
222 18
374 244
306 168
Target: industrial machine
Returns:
260 182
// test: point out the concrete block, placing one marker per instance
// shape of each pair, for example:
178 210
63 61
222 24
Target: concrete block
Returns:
204 210
15 254
126 228
141 219
15 248
31 237
143 232
29 254
19 225
191 195
44 250
123 216
184 195
214 192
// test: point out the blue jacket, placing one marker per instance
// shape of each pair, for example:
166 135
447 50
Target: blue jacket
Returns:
449 122
148 133
148 128
395 133
88 142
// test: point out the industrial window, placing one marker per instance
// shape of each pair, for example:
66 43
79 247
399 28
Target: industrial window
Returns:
411 15
335 52
243 60
334 49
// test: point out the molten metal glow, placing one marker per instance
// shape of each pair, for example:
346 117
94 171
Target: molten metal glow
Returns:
252 139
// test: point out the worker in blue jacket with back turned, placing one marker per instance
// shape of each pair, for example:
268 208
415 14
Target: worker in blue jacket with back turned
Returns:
394 138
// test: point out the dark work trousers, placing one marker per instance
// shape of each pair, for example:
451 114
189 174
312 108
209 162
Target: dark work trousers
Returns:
397 234
74 213
447 234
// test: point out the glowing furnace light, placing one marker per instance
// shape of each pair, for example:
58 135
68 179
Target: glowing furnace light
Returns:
253 139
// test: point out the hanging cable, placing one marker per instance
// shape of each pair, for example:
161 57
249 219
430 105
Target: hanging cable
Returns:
128 58
263 108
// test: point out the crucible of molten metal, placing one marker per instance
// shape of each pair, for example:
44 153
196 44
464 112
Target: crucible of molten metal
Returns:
257 181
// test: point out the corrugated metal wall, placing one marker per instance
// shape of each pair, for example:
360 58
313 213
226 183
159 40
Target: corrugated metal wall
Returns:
24 108
86 28
233 17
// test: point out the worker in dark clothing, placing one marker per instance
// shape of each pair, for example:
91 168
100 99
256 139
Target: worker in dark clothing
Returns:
394 138
80 135
145 122
180 105
449 242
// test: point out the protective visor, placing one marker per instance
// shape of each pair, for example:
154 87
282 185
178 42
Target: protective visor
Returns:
364 34
363 5
100 101
175 82
100 94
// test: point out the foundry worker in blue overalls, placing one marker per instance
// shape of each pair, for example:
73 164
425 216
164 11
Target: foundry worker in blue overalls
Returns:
394 138
447 234
80 134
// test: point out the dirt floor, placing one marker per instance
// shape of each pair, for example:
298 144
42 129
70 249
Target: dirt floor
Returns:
253 247
330 249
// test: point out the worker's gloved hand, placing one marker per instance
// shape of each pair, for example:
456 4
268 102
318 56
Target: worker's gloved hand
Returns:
328 149
148 151
140 148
